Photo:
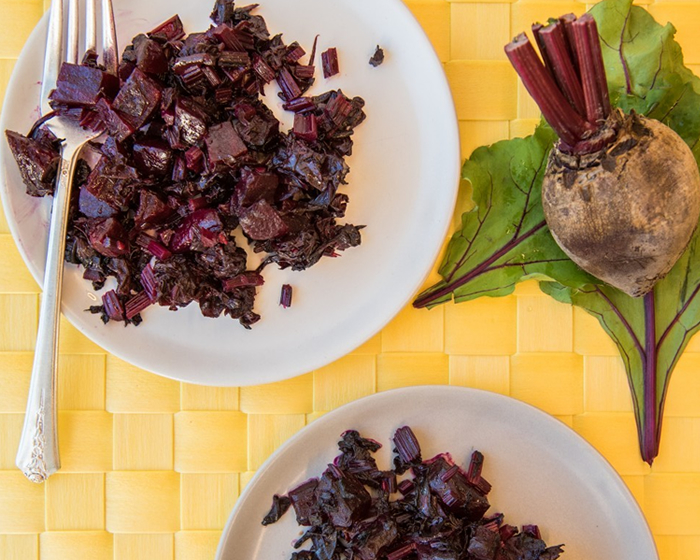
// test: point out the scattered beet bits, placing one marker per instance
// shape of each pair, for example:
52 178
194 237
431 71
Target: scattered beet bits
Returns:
353 510
192 153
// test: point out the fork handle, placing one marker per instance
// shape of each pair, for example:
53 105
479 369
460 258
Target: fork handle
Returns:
37 455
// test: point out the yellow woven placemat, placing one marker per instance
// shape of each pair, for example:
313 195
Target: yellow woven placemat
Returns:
152 467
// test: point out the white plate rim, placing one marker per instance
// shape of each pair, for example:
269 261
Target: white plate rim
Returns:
318 426
451 147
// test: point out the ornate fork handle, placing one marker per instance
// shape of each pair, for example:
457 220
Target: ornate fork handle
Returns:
37 455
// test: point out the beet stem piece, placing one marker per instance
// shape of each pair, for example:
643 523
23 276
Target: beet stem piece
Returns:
649 430
593 80
566 122
286 296
554 39
568 21
536 32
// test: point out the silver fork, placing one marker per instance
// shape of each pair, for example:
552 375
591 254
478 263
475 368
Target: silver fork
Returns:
37 455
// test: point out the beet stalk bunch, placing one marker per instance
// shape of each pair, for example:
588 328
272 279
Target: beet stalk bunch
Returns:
621 192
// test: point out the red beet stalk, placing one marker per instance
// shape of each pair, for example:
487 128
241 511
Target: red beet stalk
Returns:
595 88
566 122
570 87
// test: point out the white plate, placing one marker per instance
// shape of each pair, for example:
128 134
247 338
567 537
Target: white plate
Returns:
542 472
403 184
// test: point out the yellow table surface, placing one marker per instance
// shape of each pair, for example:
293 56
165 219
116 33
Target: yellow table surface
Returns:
152 467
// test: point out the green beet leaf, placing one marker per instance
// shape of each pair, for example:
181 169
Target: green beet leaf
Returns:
504 240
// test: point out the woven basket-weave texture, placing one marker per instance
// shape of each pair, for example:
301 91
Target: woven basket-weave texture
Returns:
152 467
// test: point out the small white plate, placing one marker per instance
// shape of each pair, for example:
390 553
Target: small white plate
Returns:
542 472
403 184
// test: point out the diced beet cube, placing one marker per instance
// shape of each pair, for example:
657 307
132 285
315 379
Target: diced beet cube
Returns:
152 210
329 60
224 144
92 207
81 86
203 225
112 183
119 128
108 237
261 221
190 120
256 185
304 502
169 30
37 162
137 99
194 159
153 157
150 57
235 39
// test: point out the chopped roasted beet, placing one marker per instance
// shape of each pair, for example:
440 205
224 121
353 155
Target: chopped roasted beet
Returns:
108 237
92 207
256 185
352 511
137 99
153 157
152 210
262 221
190 120
169 30
37 161
378 57
150 56
329 61
81 86
280 504
224 145
190 152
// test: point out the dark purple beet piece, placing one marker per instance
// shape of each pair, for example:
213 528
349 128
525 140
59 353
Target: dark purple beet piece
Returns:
224 144
223 11
286 301
304 502
37 162
150 57
454 490
342 497
377 58
202 226
262 221
114 123
108 237
169 30
280 504
190 120
92 207
152 210
153 157
329 61
256 184
407 446
113 306
81 86
137 99
484 543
